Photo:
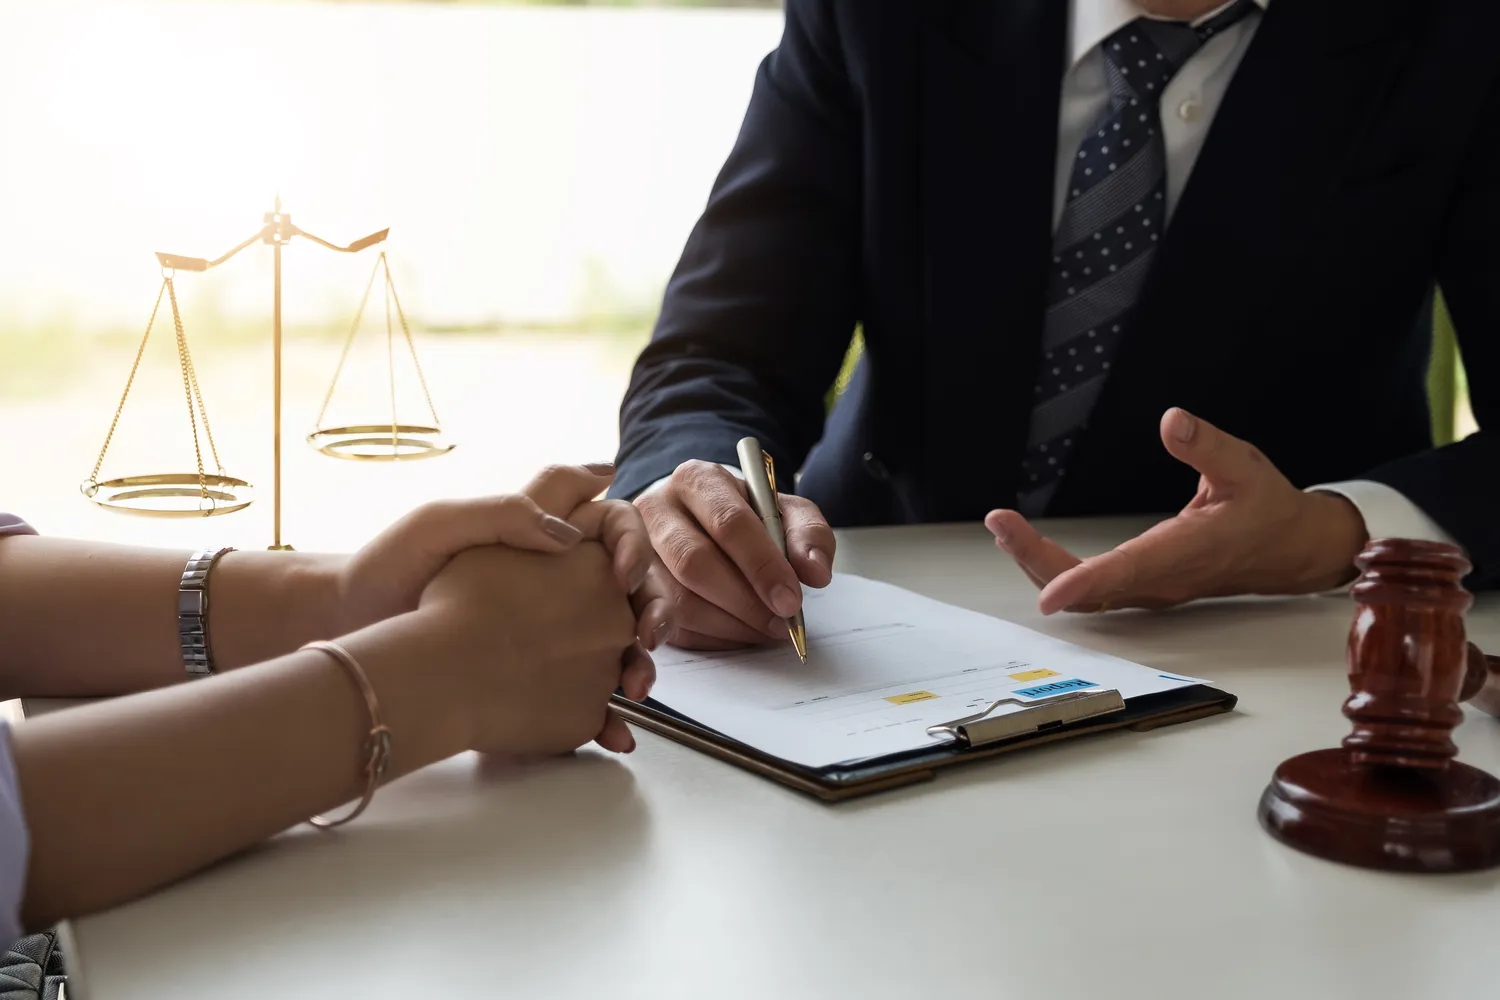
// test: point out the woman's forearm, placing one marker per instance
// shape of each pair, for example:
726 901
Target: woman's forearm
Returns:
124 796
84 619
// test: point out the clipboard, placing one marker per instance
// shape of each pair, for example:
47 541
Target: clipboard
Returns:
974 738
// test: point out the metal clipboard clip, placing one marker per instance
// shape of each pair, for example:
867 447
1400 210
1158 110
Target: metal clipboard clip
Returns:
1036 715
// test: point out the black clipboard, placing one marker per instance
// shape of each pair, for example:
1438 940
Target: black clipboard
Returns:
975 738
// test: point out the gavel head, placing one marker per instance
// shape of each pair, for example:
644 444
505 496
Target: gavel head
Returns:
1408 655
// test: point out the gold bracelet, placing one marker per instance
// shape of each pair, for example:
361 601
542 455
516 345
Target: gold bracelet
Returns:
377 744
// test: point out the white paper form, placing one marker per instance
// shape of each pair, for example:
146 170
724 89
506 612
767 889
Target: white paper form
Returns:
883 665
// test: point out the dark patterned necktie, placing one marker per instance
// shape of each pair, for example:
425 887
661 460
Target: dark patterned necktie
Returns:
1106 240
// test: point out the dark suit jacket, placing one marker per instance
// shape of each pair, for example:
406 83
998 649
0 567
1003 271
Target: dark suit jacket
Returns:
895 169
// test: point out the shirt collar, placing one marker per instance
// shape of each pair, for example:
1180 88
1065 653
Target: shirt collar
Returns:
1095 20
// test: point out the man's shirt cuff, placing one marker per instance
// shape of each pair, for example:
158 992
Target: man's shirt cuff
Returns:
1387 512
734 470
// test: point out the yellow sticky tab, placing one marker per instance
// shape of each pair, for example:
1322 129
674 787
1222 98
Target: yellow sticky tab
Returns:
907 699
1033 675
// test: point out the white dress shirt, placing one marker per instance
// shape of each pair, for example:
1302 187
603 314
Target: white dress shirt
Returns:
1188 106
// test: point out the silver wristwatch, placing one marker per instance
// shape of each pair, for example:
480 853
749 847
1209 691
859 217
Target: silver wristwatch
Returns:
192 613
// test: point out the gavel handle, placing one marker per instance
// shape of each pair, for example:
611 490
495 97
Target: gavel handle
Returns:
1482 682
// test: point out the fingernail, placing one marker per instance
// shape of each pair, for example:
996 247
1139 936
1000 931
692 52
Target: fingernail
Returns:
660 633
783 601
1002 537
638 578
1184 427
560 529
601 468
818 558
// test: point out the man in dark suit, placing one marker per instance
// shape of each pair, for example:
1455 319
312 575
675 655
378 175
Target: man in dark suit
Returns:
1096 248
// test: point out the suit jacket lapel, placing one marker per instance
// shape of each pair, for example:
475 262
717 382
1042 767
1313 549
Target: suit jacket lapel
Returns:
991 76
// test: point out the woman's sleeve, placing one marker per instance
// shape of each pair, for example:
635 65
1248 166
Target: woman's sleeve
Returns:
10 524
15 844
14 840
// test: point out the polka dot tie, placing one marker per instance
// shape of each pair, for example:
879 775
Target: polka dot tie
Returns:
1106 241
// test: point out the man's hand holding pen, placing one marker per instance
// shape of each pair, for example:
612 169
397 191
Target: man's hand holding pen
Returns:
731 583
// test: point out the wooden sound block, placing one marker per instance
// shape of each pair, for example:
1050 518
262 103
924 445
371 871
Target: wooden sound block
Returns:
1397 819
1393 796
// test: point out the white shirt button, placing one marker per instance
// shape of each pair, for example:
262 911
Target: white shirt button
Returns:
1190 110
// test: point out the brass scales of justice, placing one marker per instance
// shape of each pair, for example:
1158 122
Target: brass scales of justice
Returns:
202 493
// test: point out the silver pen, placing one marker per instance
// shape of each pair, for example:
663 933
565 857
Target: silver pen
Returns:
760 477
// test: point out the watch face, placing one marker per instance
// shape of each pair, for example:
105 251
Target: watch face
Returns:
192 602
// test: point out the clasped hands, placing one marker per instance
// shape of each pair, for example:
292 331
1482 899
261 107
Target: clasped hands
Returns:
1247 530
543 595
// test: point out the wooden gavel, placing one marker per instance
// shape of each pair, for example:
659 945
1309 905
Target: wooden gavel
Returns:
1482 682
1394 795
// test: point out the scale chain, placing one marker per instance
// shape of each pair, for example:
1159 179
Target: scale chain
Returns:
187 389
392 298
390 362
349 342
140 351
410 344
192 372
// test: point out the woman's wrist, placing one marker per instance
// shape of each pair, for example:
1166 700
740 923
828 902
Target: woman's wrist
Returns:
421 688
266 604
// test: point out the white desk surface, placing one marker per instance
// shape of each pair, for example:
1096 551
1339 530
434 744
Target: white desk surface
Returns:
1124 865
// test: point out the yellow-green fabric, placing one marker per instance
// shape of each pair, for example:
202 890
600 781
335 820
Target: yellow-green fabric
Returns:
1443 376
856 348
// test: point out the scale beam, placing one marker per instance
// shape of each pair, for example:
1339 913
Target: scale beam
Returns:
204 493
355 247
178 262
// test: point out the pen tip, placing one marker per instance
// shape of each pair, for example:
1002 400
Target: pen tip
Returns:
799 641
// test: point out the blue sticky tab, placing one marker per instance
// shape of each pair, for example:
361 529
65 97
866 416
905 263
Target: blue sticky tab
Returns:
1056 687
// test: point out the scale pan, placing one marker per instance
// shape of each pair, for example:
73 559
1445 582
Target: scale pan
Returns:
381 442
171 494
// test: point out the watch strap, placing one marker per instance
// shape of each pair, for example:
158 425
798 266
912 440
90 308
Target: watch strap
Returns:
192 612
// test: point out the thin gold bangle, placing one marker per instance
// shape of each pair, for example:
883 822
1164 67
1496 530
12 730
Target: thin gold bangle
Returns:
377 744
